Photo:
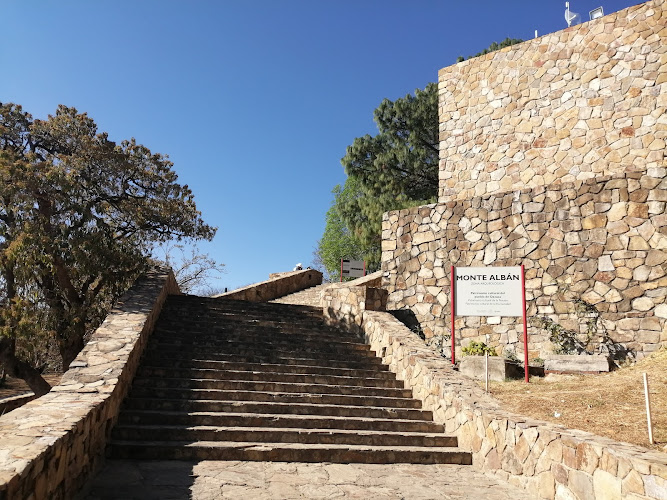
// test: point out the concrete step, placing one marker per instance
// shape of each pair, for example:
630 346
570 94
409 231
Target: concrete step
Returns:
275 420
242 390
264 339
194 433
236 309
334 406
215 330
378 379
192 302
273 396
268 350
297 359
287 452
225 380
380 371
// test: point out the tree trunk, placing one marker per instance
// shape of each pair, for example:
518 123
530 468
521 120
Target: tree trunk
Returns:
20 369
72 344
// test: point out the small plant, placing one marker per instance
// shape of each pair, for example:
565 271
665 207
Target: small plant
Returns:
478 349
510 355
538 362
565 341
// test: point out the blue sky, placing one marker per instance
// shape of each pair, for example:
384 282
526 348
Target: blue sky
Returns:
254 101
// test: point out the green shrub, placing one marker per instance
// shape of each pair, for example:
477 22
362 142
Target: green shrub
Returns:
478 349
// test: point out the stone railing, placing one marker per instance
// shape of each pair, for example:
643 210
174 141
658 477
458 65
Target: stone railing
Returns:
9 404
345 305
50 446
549 460
373 280
279 285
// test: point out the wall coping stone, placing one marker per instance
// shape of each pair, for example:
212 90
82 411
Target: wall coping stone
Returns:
278 285
12 402
373 280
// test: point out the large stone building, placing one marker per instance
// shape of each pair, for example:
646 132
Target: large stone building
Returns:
552 155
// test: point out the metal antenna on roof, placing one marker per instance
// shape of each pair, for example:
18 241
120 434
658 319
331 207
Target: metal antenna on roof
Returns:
571 17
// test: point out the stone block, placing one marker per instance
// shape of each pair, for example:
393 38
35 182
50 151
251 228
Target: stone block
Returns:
500 369
606 485
564 363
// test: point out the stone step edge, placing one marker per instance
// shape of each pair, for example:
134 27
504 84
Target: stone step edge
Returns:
285 430
267 340
255 337
146 383
282 416
233 402
250 366
373 362
184 372
292 446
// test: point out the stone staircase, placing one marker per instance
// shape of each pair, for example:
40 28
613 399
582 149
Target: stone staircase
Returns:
307 297
233 380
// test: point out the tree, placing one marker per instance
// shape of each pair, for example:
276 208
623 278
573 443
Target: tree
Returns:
354 225
493 47
78 216
337 242
192 269
395 169
401 161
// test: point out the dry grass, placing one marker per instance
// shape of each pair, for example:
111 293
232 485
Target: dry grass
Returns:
610 404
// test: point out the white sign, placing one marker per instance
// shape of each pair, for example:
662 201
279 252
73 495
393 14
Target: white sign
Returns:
352 268
488 291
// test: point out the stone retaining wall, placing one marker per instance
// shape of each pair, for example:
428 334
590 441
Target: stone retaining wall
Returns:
602 240
278 285
586 101
345 305
50 446
549 460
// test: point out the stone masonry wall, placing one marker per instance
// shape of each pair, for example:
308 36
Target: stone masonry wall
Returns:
50 446
552 155
548 460
345 305
586 101
603 240
278 285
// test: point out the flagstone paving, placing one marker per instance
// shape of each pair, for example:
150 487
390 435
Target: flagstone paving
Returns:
209 480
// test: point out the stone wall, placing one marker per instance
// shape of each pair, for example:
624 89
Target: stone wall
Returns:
50 446
278 285
603 240
373 280
345 305
552 155
549 460
586 101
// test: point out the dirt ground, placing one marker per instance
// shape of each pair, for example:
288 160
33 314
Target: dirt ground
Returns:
610 404
16 387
